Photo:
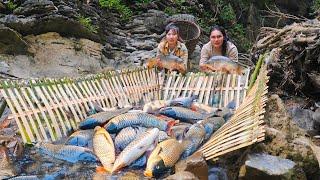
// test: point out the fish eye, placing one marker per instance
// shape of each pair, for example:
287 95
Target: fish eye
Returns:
158 167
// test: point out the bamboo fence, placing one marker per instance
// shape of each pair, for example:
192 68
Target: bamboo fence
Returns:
48 109
246 126
215 89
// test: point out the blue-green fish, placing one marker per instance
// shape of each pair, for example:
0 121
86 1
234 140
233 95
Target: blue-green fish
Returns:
192 139
211 125
101 118
81 138
182 114
68 153
126 136
183 101
137 119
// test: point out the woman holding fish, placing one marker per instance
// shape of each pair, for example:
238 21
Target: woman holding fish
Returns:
219 45
172 54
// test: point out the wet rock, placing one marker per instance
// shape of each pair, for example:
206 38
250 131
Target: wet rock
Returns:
217 173
283 138
31 7
264 166
195 164
302 117
182 175
11 42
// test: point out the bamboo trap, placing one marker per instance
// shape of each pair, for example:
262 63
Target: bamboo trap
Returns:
48 109
246 126
214 89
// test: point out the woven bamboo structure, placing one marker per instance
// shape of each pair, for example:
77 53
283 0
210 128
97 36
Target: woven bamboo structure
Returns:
215 89
189 32
48 109
246 126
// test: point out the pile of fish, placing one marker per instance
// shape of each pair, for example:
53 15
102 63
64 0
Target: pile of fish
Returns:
153 138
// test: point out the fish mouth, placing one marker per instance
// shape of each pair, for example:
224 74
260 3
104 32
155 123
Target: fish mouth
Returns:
148 173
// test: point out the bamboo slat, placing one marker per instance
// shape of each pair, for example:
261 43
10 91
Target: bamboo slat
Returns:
246 126
49 109
223 88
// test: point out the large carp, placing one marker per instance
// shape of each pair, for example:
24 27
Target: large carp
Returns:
223 64
183 114
103 147
164 156
137 119
99 119
170 62
136 148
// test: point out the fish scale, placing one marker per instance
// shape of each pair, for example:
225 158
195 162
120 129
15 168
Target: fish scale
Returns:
103 147
193 138
135 119
182 114
127 135
136 148
67 152
170 152
100 118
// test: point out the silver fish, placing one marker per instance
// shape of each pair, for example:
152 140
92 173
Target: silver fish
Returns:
68 153
135 149
126 136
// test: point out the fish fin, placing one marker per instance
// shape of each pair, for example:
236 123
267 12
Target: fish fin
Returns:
185 131
170 124
102 170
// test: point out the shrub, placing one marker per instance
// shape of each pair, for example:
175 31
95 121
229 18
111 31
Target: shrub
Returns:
87 23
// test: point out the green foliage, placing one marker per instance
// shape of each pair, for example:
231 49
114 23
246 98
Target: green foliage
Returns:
238 33
117 5
11 5
170 10
316 5
87 23
227 14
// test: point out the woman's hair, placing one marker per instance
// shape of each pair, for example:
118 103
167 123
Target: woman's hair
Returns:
172 26
225 37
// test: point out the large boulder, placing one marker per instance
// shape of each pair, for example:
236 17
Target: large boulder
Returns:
11 42
195 164
264 166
